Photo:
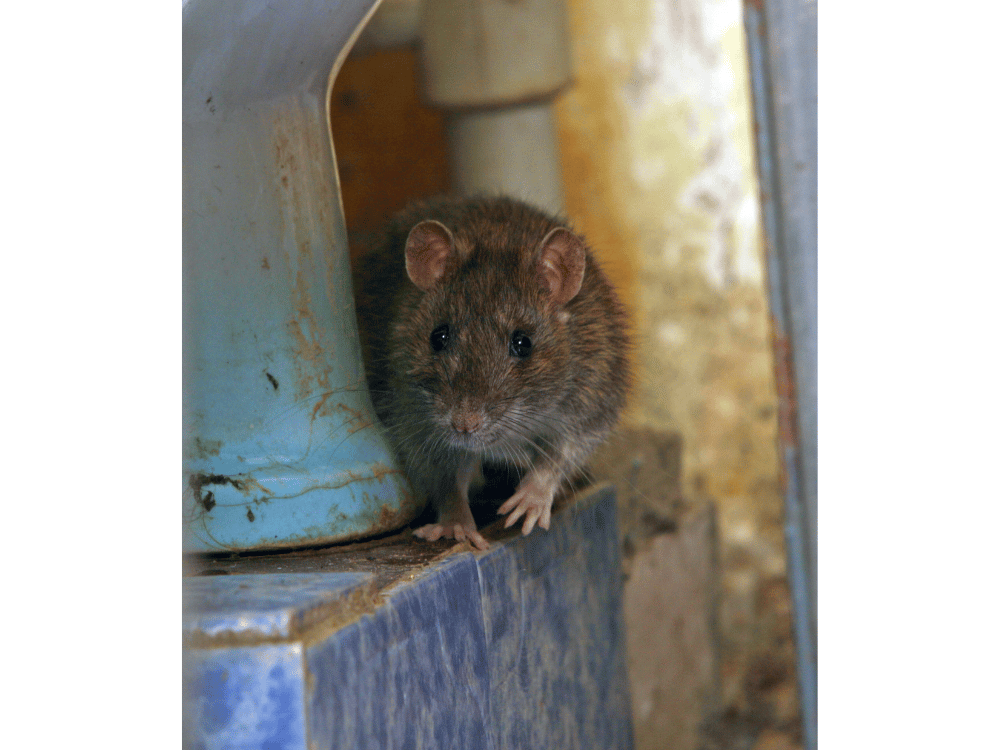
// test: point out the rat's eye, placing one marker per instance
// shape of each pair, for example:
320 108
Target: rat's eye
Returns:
520 345
440 337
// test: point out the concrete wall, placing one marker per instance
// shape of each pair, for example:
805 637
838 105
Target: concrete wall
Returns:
659 173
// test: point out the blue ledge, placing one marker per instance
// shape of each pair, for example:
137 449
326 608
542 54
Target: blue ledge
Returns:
265 606
522 646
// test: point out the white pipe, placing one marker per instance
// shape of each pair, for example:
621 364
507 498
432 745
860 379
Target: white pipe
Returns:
509 150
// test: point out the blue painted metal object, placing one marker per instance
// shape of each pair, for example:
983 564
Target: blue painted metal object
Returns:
522 646
782 45
280 447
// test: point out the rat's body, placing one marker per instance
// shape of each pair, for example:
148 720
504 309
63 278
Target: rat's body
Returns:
490 334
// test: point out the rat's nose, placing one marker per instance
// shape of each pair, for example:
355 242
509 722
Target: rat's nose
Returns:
466 420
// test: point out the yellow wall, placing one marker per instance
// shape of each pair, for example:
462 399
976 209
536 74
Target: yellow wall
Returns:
659 175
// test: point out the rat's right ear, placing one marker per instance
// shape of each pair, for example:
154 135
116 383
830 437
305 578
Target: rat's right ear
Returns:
561 263
427 249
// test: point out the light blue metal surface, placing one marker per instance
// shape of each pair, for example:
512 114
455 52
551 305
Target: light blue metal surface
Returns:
280 447
522 646
782 45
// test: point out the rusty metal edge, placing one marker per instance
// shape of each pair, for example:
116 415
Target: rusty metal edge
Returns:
781 45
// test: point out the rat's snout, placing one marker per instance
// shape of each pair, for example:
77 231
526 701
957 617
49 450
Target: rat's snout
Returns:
466 420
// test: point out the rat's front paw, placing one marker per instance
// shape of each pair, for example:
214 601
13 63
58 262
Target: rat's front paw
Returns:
533 501
457 531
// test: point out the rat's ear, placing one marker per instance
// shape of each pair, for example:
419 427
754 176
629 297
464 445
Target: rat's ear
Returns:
427 249
561 263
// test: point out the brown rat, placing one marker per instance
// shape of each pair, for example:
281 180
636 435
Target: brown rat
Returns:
490 334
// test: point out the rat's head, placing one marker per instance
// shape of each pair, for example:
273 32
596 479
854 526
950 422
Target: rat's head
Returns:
482 347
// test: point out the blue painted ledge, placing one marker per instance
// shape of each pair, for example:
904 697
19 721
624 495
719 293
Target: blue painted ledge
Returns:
522 646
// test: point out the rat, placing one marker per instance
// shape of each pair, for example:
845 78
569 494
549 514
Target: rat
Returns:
489 333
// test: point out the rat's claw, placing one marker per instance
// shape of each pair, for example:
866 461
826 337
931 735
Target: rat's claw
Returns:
512 518
509 504
529 520
434 531
531 502
431 532
477 541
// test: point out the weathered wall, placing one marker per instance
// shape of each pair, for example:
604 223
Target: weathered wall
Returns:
659 174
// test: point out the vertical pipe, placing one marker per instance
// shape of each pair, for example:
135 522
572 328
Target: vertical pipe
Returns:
496 66
511 150
781 41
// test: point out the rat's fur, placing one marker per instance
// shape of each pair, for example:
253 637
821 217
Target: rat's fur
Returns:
446 411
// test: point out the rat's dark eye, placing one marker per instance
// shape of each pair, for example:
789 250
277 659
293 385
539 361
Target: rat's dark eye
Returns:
520 345
440 337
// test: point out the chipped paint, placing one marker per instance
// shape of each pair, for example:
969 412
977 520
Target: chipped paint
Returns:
370 511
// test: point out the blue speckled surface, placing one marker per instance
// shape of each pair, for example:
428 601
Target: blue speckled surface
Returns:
519 647
244 698
267 606
413 675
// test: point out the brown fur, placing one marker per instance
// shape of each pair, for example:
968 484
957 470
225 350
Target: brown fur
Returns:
566 396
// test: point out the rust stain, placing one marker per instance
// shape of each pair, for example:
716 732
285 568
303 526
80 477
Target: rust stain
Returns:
206 448
309 358
785 383
387 516
319 405
304 168
356 420
252 485
379 471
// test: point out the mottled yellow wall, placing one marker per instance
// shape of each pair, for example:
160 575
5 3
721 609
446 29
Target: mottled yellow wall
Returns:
659 174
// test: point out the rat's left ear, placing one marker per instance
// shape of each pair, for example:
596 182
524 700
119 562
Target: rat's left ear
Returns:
429 245
560 265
